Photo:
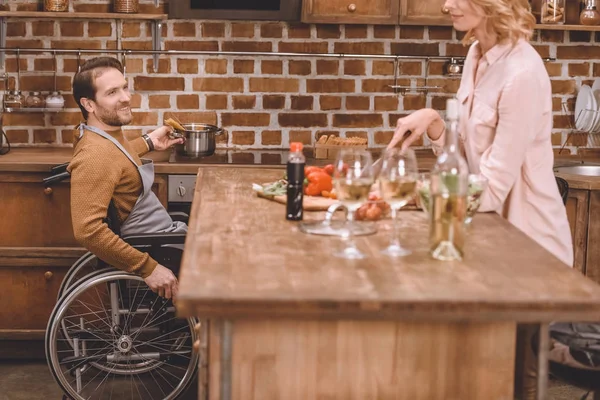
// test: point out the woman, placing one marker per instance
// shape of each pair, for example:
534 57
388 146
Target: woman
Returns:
506 120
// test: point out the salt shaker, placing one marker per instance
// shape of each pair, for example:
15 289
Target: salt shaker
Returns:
55 100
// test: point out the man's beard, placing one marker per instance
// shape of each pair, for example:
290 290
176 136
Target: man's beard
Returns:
112 117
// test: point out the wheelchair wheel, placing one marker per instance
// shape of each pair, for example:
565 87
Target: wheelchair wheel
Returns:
111 337
86 264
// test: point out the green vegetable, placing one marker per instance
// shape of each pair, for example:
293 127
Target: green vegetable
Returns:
277 188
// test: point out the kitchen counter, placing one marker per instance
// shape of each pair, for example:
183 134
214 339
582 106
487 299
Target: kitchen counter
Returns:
290 320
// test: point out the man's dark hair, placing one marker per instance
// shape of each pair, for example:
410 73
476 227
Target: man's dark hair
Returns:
83 82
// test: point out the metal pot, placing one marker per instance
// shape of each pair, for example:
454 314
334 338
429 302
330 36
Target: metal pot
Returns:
199 140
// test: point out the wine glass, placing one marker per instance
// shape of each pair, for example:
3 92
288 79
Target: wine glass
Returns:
353 178
397 183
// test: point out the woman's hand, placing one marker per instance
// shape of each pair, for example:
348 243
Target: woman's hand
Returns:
417 123
161 139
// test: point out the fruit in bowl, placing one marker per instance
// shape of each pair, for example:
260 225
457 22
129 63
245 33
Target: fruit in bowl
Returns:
477 185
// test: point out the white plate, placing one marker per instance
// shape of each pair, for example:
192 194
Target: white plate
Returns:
584 120
596 92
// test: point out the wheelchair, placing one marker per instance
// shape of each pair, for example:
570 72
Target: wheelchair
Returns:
109 336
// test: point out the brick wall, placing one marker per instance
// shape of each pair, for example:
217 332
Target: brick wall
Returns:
266 102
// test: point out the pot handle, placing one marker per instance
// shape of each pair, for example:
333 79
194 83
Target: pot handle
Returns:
219 131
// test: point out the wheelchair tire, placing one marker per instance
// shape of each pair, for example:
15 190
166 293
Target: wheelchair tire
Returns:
88 261
109 335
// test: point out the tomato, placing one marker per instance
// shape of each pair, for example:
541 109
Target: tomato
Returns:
329 169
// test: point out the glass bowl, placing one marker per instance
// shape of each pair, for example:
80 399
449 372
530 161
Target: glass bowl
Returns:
477 185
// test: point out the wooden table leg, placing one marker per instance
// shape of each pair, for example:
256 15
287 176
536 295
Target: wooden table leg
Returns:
543 349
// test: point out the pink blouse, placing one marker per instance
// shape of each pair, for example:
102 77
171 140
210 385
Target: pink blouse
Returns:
505 128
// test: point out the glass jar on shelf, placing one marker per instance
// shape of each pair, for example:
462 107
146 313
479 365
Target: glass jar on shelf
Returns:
35 100
14 99
55 100
56 5
589 15
552 12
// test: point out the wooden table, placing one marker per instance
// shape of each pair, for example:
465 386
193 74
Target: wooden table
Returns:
288 320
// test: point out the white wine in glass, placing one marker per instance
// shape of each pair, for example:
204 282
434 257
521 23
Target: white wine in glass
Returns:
397 183
353 178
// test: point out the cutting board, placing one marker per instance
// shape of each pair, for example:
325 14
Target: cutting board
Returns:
309 203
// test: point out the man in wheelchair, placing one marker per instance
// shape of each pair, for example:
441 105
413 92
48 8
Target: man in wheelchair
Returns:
106 168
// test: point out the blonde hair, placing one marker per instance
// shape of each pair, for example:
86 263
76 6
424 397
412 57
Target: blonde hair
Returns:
507 19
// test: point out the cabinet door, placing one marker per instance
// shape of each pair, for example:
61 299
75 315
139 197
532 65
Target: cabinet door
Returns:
592 263
424 12
577 213
350 11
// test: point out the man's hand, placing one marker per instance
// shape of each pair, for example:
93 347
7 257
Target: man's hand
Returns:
163 281
161 139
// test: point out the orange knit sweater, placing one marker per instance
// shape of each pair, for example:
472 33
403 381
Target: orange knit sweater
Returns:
100 172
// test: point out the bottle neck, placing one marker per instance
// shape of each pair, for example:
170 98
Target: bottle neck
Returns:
451 138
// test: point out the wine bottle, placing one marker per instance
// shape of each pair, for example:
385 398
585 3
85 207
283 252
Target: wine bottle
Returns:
295 187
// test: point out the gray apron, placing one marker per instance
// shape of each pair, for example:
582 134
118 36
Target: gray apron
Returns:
148 214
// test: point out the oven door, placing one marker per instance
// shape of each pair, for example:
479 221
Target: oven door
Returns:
272 10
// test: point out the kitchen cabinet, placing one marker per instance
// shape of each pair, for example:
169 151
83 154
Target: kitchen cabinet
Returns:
577 213
351 11
37 248
423 12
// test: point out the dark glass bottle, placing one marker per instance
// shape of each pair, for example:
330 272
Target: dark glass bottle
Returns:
295 187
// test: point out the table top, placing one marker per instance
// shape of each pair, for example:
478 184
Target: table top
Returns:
242 259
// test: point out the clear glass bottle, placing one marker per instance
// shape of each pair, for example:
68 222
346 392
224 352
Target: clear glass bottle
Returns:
35 100
589 15
552 12
448 194
14 99
55 100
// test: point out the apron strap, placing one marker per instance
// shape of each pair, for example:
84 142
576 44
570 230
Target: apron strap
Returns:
108 137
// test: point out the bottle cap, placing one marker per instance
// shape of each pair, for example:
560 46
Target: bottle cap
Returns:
452 109
295 147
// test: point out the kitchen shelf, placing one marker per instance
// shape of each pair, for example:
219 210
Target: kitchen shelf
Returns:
552 27
82 15
31 109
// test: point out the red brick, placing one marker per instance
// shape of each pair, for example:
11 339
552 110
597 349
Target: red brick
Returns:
378 85
213 29
578 52
15 29
192 45
136 100
244 102
218 84
414 102
71 28
358 102
274 67
383 137
159 101
357 120
145 118
416 49
562 121
274 85
302 120
354 67
164 66
184 29
328 67
28 7
579 69
43 28
43 64
215 66
216 101
188 102
298 31
45 83
186 117
270 159
75 44
242 158
154 84
93 8
440 33
447 85
247 46
554 69
99 29
330 103
384 32
411 68
330 86
304 137
543 50
242 30
273 102
242 137
578 139
245 119
355 31
131 29
64 118
436 67
24 43
187 66
386 103
302 103
243 66
303 47
44 136
328 31
17 136
299 67
563 86
271 30
382 68
359 48
270 138
456 49
412 32
67 135
552 36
